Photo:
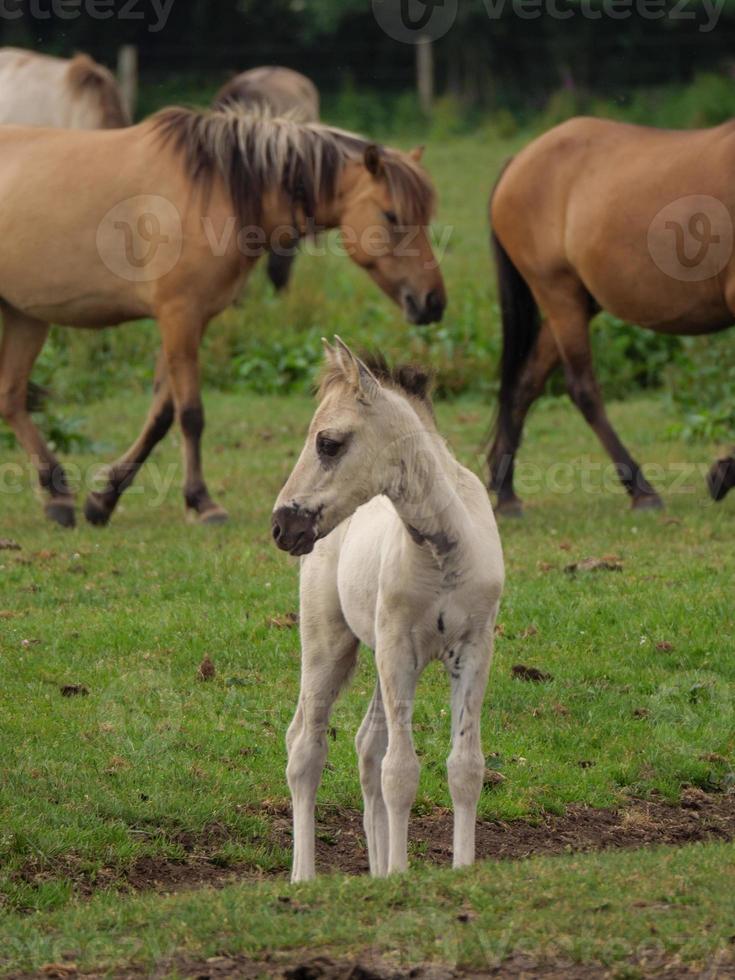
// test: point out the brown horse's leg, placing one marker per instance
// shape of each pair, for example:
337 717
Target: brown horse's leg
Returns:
570 326
721 478
501 458
181 338
100 504
23 339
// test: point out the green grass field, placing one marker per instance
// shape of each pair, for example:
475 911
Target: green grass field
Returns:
126 776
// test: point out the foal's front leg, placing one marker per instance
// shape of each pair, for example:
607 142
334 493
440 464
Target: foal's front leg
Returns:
325 669
468 670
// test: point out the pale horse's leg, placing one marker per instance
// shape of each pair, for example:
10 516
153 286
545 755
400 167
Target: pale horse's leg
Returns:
468 671
328 657
399 672
371 744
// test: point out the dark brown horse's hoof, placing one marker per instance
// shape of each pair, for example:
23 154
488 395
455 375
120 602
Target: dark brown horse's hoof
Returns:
95 512
61 514
509 508
216 515
647 501
721 478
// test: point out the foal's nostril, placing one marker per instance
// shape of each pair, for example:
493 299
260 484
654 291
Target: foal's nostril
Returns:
277 531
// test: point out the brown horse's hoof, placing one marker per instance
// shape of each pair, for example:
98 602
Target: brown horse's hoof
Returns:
721 478
509 508
216 515
61 514
647 501
95 512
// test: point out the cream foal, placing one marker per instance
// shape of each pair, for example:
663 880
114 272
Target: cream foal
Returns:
402 553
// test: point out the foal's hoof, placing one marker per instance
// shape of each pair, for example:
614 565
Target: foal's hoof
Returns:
721 478
61 514
647 501
95 512
509 508
216 515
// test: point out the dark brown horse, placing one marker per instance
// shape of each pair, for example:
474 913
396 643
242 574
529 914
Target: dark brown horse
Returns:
279 92
602 215
175 213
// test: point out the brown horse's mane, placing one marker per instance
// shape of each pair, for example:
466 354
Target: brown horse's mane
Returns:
86 76
254 153
410 380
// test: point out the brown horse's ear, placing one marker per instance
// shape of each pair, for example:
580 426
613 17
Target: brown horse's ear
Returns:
416 154
372 160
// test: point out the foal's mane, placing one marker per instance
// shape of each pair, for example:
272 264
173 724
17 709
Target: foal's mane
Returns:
255 153
409 380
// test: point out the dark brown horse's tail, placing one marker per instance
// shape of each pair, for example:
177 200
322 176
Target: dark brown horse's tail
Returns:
520 317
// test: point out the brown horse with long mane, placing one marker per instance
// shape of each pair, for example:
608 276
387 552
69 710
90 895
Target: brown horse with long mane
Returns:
77 93
603 215
279 92
175 213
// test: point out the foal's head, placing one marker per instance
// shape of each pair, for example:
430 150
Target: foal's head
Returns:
348 458
384 221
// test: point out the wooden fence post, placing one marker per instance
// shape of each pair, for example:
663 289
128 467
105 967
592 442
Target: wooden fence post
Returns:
127 76
425 73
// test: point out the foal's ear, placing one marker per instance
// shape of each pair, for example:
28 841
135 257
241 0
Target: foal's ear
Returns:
359 375
372 159
416 154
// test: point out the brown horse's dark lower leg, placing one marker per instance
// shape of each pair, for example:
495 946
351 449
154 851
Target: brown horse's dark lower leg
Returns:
181 343
23 339
721 478
501 457
100 504
585 393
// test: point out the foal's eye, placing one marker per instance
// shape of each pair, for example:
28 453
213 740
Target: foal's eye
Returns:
326 446
391 217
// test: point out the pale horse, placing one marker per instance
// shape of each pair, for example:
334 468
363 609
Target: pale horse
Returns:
401 552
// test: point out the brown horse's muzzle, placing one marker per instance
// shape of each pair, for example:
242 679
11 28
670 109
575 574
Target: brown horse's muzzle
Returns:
294 530
431 311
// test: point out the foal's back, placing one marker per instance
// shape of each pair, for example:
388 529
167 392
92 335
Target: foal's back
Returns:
282 91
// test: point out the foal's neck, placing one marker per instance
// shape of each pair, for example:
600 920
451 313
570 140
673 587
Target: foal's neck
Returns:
427 497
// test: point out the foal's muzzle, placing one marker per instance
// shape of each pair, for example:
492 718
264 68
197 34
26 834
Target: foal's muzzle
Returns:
294 530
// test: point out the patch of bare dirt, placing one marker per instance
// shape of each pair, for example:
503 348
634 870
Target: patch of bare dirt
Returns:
369 967
341 842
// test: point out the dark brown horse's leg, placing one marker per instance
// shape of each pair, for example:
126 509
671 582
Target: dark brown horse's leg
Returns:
571 330
501 457
100 504
23 339
181 338
721 478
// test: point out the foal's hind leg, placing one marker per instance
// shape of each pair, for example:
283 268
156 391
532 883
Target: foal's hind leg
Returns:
371 744
120 475
568 314
466 763
501 457
23 339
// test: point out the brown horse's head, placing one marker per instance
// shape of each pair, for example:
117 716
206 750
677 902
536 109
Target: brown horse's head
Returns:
386 210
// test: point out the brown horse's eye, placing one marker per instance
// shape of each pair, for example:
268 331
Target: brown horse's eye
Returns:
327 447
391 217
